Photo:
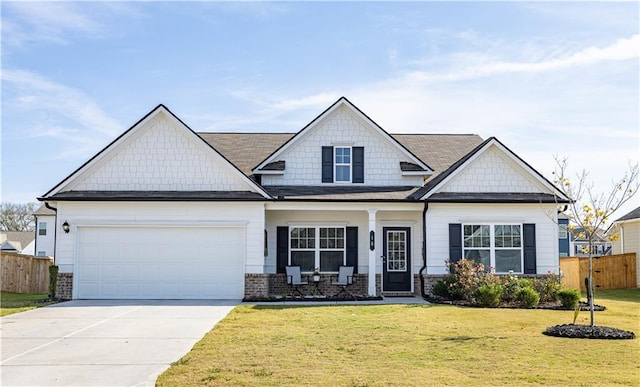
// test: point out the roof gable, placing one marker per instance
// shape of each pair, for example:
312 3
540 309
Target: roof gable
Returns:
490 168
158 153
343 110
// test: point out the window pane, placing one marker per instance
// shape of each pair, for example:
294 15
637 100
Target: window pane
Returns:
480 256
508 260
305 259
343 173
331 260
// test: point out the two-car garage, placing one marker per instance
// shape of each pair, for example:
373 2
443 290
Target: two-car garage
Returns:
159 262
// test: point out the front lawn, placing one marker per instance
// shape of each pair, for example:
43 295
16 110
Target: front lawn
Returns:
19 302
376 345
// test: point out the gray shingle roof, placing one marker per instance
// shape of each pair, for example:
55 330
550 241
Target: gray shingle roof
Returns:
156 195
43 210
346 192
23 238
492 197
635 214
247 150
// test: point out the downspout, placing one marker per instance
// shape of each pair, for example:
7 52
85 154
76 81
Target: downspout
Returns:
424 249
55 232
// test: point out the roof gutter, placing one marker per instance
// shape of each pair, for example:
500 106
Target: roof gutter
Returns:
424 249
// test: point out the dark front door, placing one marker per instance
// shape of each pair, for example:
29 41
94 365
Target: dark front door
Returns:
396 264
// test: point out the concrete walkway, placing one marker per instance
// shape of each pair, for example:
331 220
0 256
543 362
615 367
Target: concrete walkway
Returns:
102 343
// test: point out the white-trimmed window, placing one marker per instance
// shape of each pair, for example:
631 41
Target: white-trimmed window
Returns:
342 164
317 247
495 245
42 228
562 231
42 254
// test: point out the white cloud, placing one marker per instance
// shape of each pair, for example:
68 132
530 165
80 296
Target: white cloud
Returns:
54 22
623 49
87 124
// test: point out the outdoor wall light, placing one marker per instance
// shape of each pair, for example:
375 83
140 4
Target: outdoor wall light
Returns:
65 227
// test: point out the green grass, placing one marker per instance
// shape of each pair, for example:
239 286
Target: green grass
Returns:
19 302
381 345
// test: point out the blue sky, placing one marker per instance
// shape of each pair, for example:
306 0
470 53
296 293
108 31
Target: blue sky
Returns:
545 78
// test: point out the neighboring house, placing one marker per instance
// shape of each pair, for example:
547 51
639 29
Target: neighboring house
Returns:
165 212
17 241
564 237
580 244
627 229
45 232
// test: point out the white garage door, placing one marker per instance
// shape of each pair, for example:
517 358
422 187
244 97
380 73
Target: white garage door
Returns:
160 262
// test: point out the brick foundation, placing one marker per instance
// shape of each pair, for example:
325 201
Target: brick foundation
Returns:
265 285
64 287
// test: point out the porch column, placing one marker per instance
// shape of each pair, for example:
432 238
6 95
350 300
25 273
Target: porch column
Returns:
372 254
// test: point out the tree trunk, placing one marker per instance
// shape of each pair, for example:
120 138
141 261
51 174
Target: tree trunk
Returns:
590 285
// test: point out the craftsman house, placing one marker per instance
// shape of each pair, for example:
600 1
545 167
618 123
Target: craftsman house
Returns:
165 212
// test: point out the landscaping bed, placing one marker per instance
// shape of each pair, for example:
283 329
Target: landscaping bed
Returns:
577 331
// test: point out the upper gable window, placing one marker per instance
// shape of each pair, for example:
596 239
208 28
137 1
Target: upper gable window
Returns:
343 164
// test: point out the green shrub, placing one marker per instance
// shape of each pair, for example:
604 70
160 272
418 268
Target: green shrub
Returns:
569 297
527 296
488 294
53 280
548 287
441 289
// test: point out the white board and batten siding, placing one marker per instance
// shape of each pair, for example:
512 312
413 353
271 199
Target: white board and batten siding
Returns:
440 215
160 250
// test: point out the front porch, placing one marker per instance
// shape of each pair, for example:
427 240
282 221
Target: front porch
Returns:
382 241
265 286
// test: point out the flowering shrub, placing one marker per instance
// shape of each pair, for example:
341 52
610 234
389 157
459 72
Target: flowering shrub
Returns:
473 282
465 278
548 287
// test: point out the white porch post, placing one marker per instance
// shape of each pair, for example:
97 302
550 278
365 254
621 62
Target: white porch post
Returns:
372 254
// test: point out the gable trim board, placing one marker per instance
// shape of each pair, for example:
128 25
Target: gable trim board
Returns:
432 187
342 101
160 109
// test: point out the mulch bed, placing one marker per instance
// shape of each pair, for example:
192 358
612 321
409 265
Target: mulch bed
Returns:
576 331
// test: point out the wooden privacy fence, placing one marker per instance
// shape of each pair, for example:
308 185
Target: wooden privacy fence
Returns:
609 271
24 273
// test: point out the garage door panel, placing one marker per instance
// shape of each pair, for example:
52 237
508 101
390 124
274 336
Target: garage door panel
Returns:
160 262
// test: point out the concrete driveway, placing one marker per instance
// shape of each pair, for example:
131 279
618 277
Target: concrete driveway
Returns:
102 343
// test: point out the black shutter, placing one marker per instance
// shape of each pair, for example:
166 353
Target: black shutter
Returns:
282 255
455 242
529 243
327 164
352 248
358 164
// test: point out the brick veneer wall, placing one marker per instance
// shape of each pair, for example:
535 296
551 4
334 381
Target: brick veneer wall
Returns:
64 287
263 285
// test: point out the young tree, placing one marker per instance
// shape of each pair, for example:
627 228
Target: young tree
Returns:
592 206
17 217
